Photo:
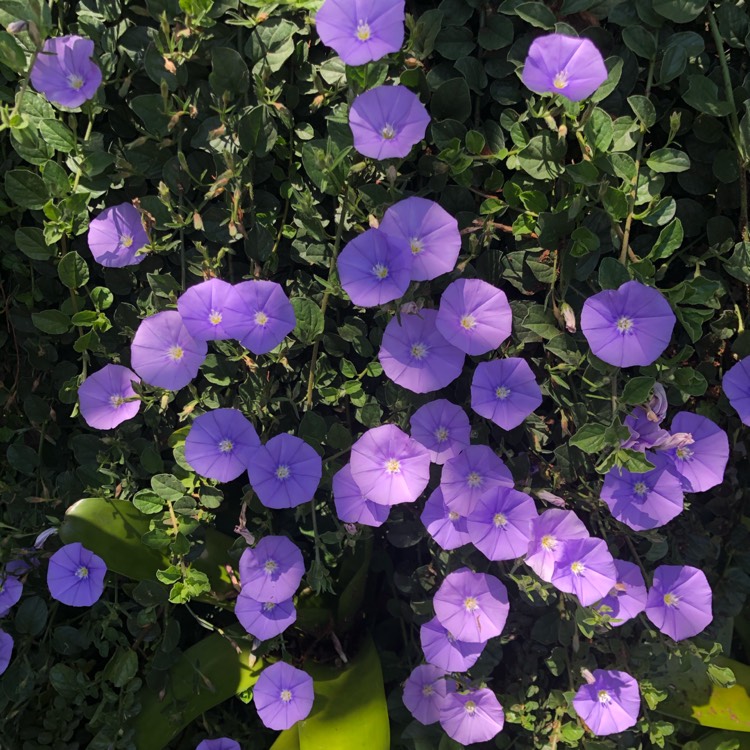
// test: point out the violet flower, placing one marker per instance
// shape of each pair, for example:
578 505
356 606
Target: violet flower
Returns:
447 527
550 532
75 576
264 620
6 650
679 601
424 693
585 568
609 702
283 695
476 716
469 475
351 505
207 308
10 590
645 433
627 599
102 397
222 743
116 235
736 386
445 651
441 427
272 570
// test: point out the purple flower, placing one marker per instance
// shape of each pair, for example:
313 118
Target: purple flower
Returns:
221 444
500 524
679 601
65 73
374 269
6 650
565 65
415 355
222 743
363 31
628 597
505 391
474 316
702 463
657 405
164 354
609 703
585 568
472 717
447 527
116 235
283 695
102 397
204 310
264 620
550 532
736 385
272 570
10 590
430 232
469 475
645 433
444 651
387 121
424 693
285 472
75 576
472 606
443 428
389 467
351 505
644 500
628 326
259 315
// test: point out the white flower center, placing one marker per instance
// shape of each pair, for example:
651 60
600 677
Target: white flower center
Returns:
470 707
577 568
499 520
286 695
603 696
471 604
624 324
215 317
82 572
270 566
671 600
116 400
453 516
282 471
684 454
393 466
468 322
640 489
428 690
549 542
560 81
501 393
441 434
363 31
419 350
261 318
226 445
126 240
388 132
268 606
380 270
416 246
474 479
176 353
76 82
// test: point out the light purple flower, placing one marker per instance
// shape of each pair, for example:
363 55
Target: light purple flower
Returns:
679 601
374 269
644 500
429 231
264 620
221 444
285 472
627 599
259 315
565 65
222 743
363 31
102 397
389 467
164 354
645 433
469 475
75 576
283 695
585 568
205 310
443 428
6 650
500 523
550 532
656 408
10 590
444 651
65 71
272 570
387 121
424 693
472 606
447 527
736 386
416 356
116 235
472 717
351 505
505 391
609 703
628 326
474 316
703 462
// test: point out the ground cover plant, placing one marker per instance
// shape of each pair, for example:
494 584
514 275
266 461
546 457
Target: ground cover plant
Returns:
374 374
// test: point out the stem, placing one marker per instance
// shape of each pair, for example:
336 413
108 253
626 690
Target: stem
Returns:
86 137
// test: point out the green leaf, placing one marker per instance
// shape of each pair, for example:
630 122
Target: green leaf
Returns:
310 320
451 100
590 438
25 188
612 274
229 74
644 109
668 160
637 390
257 131
640 40
122 667
58 135
148 502
681 11
738 263
11 53
542 158
670 239
167 487
73 270
703 95
53 322
537 14
496 33
30 241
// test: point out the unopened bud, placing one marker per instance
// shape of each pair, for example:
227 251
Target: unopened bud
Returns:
569 317
17 27
656 409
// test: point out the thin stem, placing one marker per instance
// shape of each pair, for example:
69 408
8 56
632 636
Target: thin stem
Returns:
79 171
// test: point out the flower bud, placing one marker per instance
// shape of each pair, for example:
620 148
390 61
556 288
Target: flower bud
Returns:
17 27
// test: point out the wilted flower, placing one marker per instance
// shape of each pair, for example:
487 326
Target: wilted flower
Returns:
628 596
585 568
272 570
424 693
116 235
389 467
569 317
221 444
75 576
645 433
222 743
565 65
609 702
443 650
164 354
679 601
102 397
387 121
363 31
550 532
264 620
285 472
10 590
430 233
471 717
474 316
6 650
628 326
416 356
208 308
283 695
443 428
351 505
472 606
551 498
469 475
447 527
374 269
505 391
65 72
657 405
702 462
736 386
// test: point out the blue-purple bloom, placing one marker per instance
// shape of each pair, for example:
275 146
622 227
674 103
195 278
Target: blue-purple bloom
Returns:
585 568
447 527
609 702
424 693
476 716
628 596
645 433
221 743
283 695
702 463
550 532
679 601
469 475
446 652
10 590
272 570
116 235
736 385
443 428
6 650
264 620
75 576
206 309
351 505
102 397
